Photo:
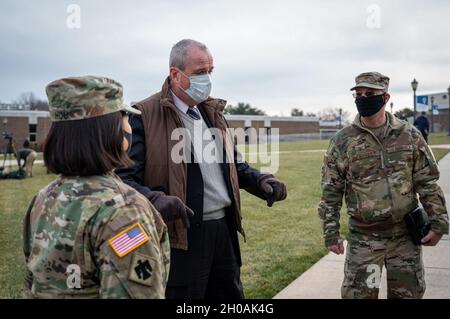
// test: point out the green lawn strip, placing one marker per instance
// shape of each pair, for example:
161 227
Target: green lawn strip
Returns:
439 138
440 152
285 240
15 195
291 146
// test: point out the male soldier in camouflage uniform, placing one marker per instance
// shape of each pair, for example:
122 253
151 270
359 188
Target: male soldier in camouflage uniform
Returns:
92 236
380 164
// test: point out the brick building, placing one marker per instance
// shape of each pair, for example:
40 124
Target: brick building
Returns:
286 124
289 127
24 125
34 126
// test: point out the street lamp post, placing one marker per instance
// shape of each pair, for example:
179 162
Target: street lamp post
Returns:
340 118
414 85
432 113
392 107
5 130
448 98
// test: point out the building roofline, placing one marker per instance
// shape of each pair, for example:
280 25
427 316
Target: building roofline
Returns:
26 113
436 93
238 117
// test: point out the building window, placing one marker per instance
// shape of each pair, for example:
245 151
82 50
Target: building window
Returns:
32 132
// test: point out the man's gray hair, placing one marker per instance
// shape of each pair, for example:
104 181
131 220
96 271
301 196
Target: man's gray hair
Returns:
179 51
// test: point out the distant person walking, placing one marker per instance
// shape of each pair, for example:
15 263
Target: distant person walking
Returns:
422 124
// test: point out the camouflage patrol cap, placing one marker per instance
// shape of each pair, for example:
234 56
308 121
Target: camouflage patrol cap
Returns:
373 80
77 98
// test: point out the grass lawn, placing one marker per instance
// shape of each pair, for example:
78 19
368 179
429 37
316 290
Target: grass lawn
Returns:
439 138
15 196
285 240
282 241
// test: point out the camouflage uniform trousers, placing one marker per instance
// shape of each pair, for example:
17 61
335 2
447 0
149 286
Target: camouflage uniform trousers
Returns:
366 256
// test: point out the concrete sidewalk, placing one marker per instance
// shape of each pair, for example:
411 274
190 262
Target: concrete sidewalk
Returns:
440 146
323 280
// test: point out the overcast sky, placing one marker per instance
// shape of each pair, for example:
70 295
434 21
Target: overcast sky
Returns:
275 55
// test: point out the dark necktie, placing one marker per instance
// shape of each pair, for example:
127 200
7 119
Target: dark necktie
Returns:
193 113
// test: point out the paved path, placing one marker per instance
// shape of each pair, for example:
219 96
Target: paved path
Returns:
440 146
323 280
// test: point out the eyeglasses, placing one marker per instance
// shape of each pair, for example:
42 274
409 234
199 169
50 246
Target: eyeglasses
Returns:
368 94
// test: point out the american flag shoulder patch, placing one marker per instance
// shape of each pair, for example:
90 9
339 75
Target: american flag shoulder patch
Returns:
128 240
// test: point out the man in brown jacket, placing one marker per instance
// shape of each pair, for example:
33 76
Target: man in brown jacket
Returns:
199 200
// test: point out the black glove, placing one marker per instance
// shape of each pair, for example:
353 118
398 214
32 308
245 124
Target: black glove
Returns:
171 207
272 189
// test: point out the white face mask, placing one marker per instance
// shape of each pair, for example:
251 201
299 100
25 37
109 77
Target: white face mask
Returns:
199 88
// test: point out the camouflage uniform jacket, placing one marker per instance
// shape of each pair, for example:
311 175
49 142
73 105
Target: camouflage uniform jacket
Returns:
69 225
380 180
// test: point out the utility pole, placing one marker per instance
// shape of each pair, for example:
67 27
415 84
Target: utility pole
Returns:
432 113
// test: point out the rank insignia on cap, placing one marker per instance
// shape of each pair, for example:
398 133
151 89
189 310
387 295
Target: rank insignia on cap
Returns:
128 240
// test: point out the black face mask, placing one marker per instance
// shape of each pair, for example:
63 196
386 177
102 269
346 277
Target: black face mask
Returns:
128 137
368 106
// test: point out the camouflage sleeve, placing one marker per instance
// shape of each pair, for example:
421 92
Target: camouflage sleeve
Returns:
333 187
425 177
26 244
132 254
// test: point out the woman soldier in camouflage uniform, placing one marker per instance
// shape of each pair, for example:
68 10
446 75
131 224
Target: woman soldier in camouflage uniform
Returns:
87 234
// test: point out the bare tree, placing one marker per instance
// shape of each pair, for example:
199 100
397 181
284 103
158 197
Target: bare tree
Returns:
29 98
26 98
333 114
40 105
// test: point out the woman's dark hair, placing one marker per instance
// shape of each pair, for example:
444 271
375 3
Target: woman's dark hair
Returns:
86 147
